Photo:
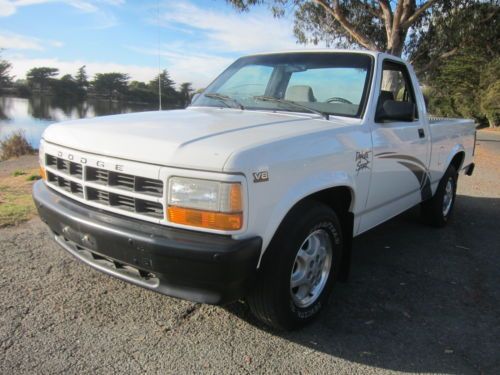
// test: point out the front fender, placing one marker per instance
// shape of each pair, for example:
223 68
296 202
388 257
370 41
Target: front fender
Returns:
303 189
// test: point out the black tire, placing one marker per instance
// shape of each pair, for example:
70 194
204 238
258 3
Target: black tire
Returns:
433 211
271 300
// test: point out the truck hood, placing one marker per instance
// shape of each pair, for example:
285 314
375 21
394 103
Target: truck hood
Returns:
196 138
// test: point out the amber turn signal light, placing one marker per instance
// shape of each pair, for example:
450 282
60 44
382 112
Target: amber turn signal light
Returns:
205 219
43 173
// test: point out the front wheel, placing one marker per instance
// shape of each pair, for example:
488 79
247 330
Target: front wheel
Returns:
298 268
437 210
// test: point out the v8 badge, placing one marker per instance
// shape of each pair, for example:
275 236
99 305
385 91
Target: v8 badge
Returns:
262 176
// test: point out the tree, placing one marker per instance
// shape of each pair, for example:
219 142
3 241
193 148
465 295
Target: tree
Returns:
138 85
458 58
470 24
140 92
380 25
110 84
455 86
82 78
5 78
168 92
167 84
490 92
67 87
40 78
185 93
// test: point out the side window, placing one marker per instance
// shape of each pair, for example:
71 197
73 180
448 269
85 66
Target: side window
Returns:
396 84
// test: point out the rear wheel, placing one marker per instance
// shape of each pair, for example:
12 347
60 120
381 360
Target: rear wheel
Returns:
297 271
438 210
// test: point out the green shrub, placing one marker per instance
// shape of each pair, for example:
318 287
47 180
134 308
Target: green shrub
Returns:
15 145
33 177
18 172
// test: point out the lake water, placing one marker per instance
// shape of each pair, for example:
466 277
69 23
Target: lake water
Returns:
33 115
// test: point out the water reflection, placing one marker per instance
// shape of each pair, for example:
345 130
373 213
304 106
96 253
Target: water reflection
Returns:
33 115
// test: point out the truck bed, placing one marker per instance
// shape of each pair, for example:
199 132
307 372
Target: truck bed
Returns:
436 120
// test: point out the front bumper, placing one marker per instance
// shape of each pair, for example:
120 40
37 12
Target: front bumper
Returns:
196 266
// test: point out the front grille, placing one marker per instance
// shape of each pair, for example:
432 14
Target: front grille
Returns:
149 208
121 180
65 184
98 196
117 180
125 181
64 166
76 170
149 186
100 176
125 202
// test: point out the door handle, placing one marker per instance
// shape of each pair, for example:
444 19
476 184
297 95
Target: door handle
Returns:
421 133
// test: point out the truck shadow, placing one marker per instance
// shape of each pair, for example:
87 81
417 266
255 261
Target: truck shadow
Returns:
419 299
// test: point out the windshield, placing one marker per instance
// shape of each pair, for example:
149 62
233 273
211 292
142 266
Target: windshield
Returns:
328 83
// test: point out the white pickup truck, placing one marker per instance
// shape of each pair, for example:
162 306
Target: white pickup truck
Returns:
256 190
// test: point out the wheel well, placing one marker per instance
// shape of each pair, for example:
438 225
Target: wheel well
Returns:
340 199
457 160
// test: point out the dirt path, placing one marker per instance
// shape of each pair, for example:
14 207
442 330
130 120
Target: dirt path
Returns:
419 300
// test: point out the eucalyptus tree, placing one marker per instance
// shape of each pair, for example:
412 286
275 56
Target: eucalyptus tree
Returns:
380 25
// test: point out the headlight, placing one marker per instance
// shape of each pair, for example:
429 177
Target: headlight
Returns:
205 203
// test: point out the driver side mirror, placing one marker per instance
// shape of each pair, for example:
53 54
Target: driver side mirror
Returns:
392 110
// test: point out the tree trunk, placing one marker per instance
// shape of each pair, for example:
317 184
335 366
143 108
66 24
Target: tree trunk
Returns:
397 19
395 41
390 82
491 121
396 47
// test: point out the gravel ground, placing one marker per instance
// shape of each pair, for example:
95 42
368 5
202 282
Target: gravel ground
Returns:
22 163
419 300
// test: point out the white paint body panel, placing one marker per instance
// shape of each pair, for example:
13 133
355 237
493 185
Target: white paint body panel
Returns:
302 153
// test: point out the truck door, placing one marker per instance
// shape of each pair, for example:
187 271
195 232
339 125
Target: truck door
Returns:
401 150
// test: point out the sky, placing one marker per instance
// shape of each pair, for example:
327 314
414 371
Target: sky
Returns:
195 39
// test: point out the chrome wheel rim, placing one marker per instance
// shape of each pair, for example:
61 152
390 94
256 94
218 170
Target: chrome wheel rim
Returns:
311 268
448 197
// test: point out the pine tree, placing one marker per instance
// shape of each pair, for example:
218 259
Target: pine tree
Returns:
82 78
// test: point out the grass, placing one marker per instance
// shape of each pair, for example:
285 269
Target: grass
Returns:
16 204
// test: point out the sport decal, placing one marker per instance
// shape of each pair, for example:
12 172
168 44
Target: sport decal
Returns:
416 167
362 160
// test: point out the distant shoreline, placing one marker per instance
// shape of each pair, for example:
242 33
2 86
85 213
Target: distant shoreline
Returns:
12 94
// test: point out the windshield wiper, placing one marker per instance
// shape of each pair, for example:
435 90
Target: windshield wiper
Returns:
272 99
224 98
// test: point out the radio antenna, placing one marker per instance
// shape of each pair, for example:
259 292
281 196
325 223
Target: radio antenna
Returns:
159 56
